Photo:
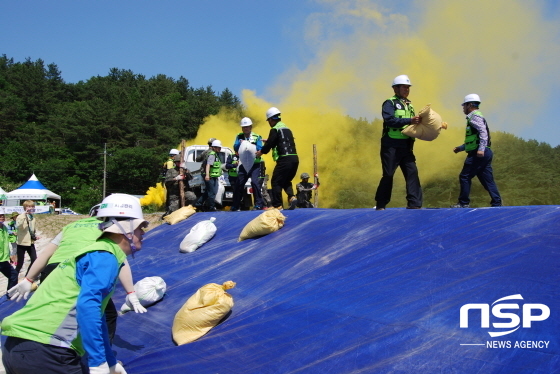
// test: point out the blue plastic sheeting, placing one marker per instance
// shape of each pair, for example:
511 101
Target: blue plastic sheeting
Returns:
356 291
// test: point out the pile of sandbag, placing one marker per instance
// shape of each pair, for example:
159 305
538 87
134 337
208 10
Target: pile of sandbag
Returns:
202 311
180 215
429 127
268 222
199 234
148 290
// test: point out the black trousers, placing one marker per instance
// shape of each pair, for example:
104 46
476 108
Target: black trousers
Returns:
10 273
21 249
21 356
282 176
391 158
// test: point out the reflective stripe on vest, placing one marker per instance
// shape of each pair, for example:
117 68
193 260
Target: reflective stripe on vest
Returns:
233 171
286 145
402 110
216 167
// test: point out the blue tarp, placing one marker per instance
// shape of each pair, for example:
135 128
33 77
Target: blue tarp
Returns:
356 291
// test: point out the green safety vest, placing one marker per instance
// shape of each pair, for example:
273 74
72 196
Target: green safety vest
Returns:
472 139
75 236
216 167
49 317
5 244
406 111
12 238
233 171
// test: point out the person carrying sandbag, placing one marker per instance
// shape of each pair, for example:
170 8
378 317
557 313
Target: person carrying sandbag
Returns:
396 147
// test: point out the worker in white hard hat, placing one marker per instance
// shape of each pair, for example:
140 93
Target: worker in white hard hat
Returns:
64 318
397 148
281 141
73 238
212 170
479 155
243 175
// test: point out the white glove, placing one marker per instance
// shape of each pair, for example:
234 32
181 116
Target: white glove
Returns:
21 290
101 369
118 368
132 299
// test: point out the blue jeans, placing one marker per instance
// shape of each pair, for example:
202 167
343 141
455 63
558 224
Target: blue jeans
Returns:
242 178
480 167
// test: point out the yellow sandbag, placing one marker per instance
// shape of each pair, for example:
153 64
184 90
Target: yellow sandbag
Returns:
202 311
430 126
180 214
266 223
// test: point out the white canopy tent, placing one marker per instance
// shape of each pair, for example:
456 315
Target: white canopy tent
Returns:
31 190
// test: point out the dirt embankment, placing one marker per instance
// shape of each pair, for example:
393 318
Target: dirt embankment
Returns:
48 226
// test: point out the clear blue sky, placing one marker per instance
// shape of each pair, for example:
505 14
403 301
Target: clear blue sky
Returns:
254 44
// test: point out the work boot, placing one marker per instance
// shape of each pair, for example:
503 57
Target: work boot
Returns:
256 207
458 205
293 203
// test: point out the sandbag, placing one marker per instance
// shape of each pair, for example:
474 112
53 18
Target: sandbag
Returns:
202 311
179 215
266 223
221 190
430 126
247 152
149 290
199 234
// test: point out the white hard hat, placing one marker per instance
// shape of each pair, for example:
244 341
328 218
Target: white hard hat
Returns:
93 210
246 121
174 152
2 211
471 98
120 205
115 209
273 111
402 79
217 143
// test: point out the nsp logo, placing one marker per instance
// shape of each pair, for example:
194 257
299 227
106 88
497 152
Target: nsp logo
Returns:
497 310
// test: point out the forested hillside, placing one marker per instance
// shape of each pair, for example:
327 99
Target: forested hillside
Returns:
59 130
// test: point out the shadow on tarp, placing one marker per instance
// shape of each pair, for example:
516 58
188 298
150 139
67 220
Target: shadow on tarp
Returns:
354 291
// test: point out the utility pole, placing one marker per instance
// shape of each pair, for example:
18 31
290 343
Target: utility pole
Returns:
315 170
104 169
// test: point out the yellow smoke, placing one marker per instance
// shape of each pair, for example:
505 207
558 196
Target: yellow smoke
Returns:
154 196
448 48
